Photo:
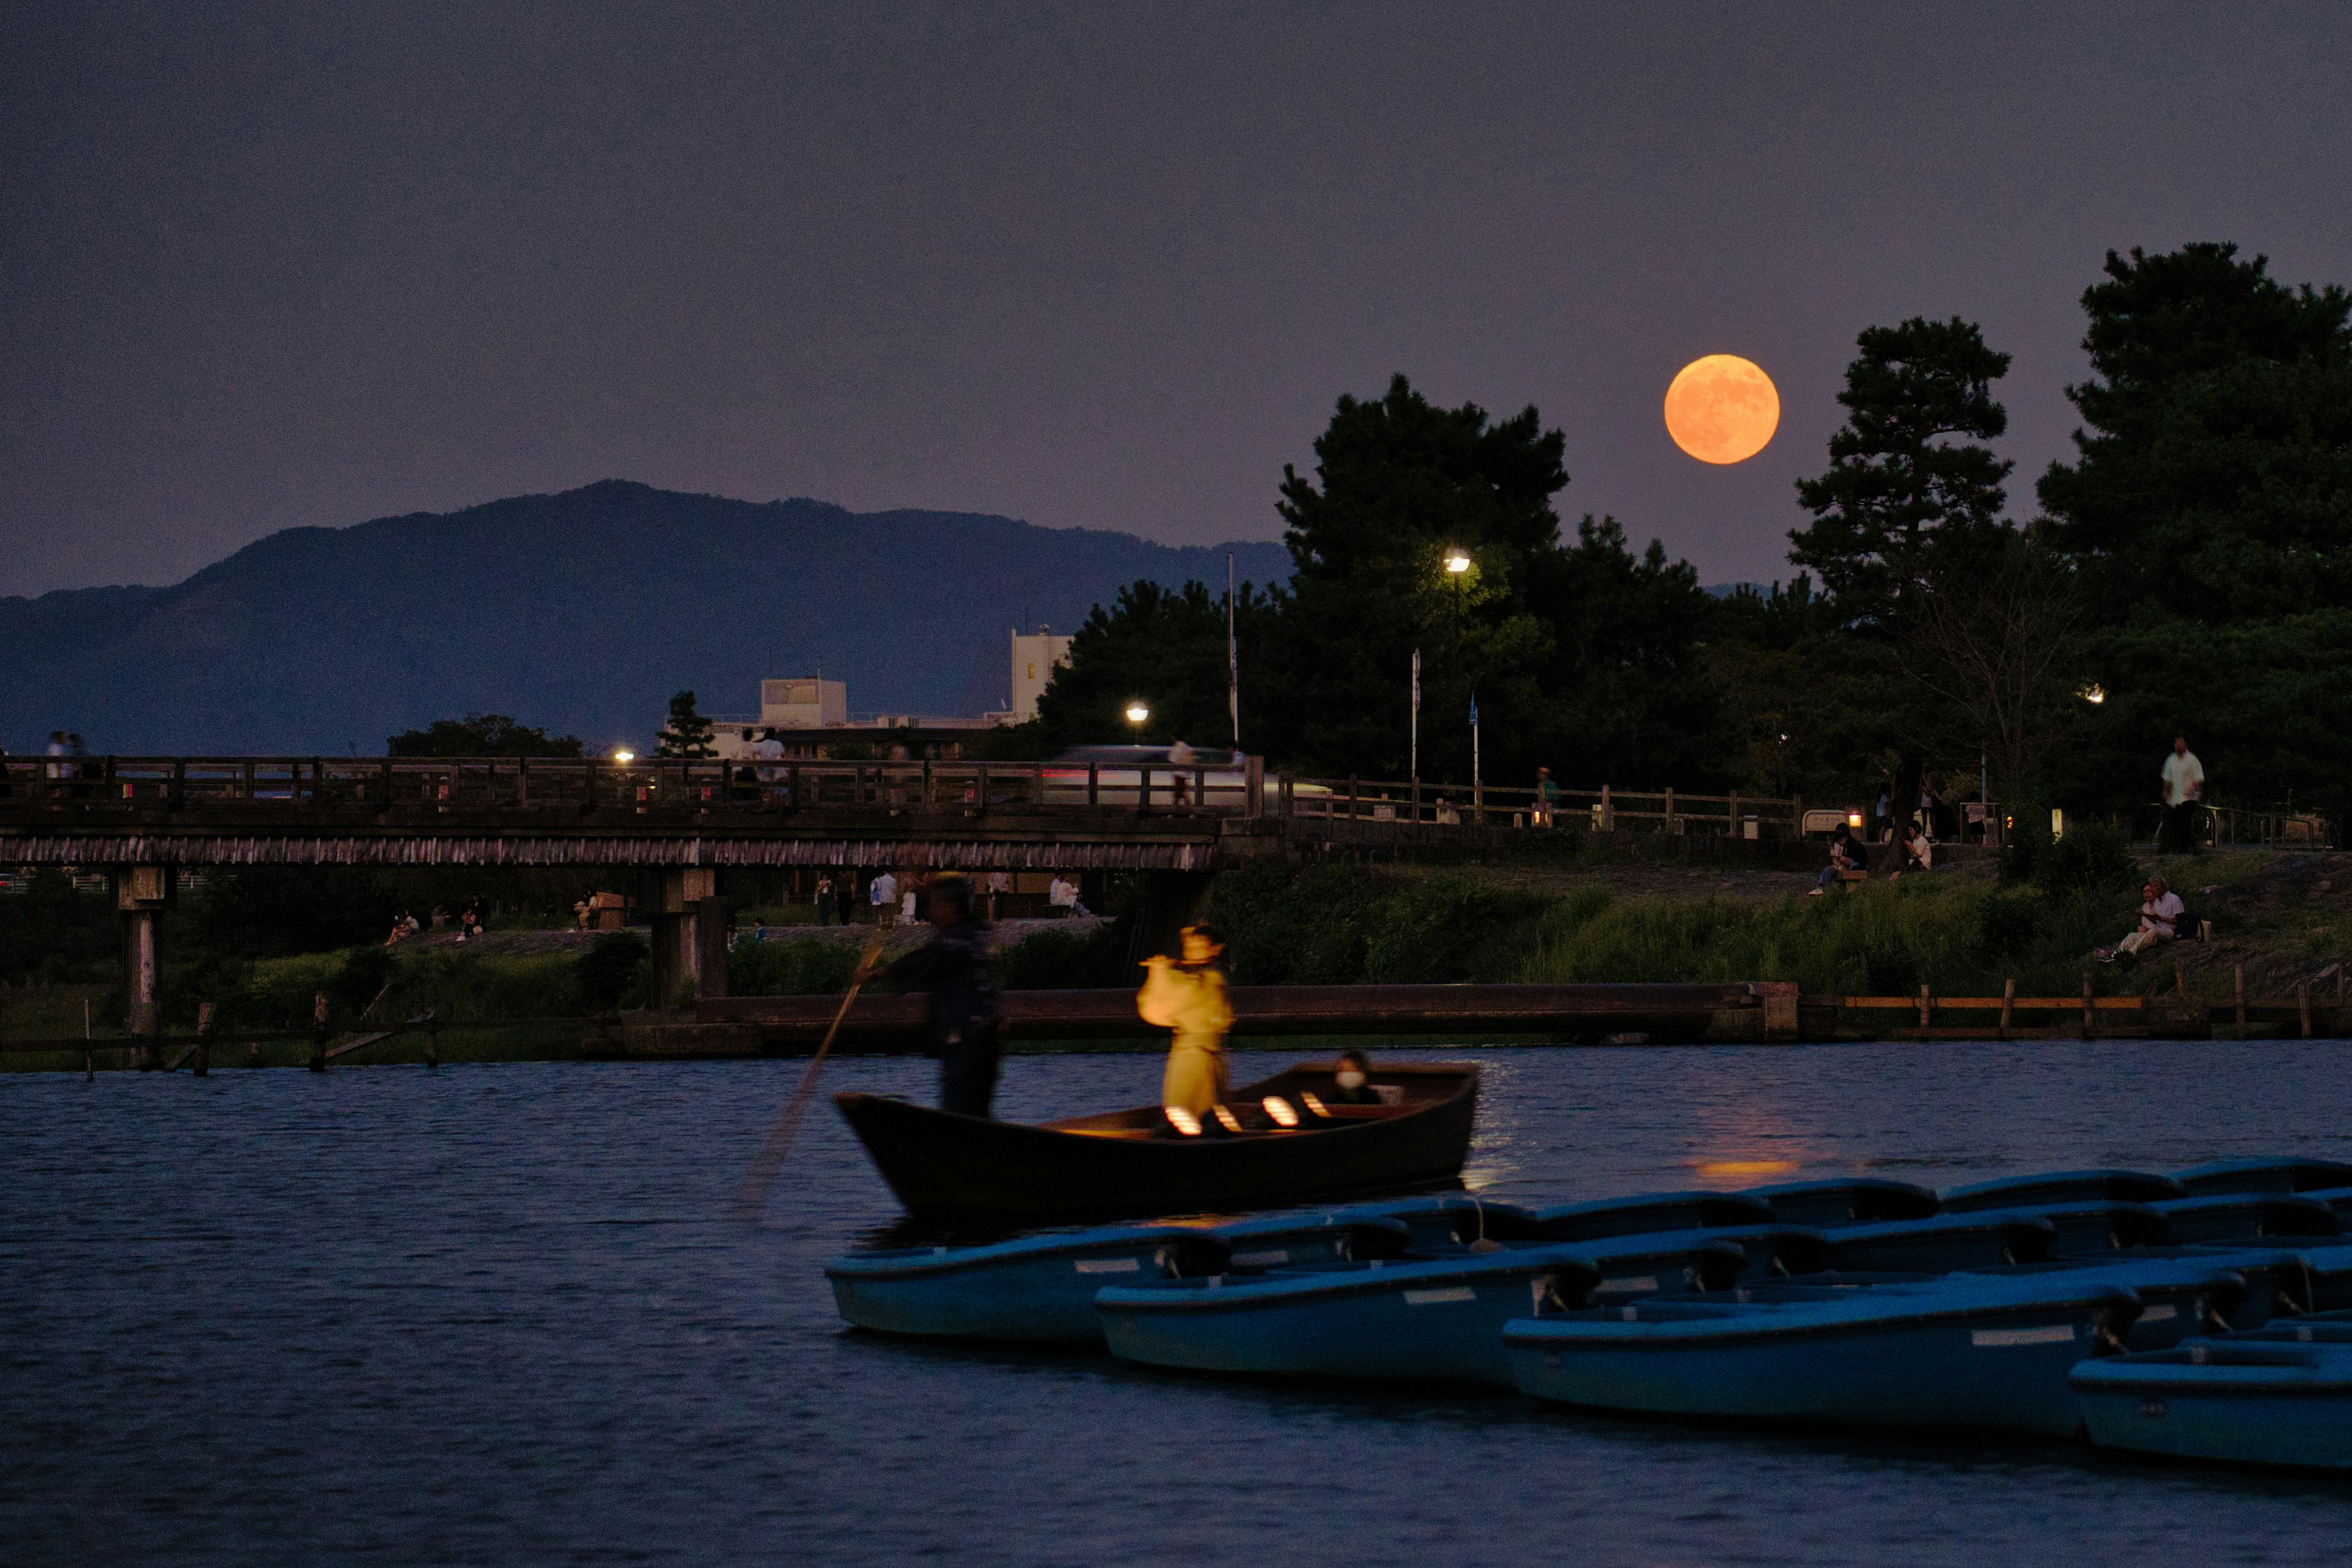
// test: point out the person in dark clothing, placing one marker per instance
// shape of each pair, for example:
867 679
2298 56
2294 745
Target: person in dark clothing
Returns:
955 968
845 896
1348 1080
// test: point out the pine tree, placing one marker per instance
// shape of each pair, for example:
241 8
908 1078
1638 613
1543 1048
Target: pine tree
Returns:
1898 489
687 733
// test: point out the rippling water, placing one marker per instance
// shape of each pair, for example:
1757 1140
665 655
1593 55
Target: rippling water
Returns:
497 1315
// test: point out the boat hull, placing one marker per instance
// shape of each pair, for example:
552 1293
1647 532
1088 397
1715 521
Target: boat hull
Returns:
946 1165
1417 1322
1989 1368
2296 1411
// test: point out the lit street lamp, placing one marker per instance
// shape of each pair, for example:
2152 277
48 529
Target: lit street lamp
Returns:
623 756
1457 561
1137 713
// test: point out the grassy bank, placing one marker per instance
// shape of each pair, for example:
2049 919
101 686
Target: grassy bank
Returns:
2285 917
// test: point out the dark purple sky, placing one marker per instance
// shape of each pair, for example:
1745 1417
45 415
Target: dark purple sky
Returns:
1082 265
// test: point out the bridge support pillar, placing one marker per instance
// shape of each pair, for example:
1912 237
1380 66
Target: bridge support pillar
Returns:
140 895
684 906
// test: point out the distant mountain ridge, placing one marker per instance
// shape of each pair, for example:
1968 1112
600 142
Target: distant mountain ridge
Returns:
581 611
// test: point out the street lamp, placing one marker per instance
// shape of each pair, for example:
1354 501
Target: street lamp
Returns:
1137 712
623 756
1457 561
2093 694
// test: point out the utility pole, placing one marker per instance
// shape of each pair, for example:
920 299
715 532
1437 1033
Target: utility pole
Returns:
1477 786
1233 658
1414 753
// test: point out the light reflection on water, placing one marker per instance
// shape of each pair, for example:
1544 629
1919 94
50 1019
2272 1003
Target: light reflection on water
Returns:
497 1315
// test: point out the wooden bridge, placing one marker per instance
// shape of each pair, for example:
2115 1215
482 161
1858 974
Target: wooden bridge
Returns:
680 822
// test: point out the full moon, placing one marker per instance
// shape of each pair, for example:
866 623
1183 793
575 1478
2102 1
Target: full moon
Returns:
1722 409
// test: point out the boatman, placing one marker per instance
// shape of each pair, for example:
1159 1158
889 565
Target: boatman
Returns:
1188 995
955 968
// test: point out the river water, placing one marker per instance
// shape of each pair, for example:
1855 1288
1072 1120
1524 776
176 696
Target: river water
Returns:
499 1315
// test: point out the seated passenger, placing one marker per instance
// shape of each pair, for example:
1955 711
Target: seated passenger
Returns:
1350 1079
2160 912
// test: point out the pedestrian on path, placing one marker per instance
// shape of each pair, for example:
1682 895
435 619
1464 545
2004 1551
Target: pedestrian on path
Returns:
883 894
2184 789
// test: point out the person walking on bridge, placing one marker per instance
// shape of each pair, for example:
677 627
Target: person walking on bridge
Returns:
965 1008
1188 995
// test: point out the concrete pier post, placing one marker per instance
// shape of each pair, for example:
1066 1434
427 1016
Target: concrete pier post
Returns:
673 896
140 894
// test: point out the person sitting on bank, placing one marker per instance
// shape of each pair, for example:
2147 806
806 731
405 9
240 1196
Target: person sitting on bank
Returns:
1846 853
1351 1080
1919 850
956 971
2160 915
1188 995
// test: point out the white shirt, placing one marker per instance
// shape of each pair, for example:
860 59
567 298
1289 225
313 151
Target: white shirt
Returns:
2158 916
1061 894
885 890
2184 778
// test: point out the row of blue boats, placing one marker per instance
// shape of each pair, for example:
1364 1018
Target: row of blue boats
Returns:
2204 1314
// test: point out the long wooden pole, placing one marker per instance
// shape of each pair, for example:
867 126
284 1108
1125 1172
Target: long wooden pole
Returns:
752 1200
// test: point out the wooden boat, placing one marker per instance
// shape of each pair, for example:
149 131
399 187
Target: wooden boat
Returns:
1134 1162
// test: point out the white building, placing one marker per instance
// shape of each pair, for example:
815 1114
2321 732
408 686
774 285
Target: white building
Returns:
809 703
1036 655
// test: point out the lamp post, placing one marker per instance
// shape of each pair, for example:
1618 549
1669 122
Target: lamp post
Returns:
1137 713
1458 567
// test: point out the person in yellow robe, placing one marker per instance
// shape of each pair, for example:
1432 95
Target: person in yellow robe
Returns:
1188 995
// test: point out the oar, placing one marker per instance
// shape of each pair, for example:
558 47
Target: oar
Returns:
752 1200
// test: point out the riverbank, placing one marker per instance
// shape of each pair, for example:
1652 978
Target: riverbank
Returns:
2286 916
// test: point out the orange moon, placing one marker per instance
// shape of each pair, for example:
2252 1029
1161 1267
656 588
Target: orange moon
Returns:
1722 409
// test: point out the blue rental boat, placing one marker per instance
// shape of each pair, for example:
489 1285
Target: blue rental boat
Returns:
1038 1289
1839 1200
2280 1173
2069 1187
1041 1289
1649 1212
1985 1351
2275 1395
1423 1318
1444 1222
2240 1217
1948 1242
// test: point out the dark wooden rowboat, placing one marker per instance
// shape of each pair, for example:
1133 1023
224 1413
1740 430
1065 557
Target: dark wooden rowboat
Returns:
1131 1164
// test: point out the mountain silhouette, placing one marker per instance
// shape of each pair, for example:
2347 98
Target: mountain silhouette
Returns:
580 612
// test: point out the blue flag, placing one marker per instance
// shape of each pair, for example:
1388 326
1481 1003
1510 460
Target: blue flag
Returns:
1474 710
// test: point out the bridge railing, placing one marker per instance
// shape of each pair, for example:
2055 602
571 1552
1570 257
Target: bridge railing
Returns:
1606 809
653 784
672 786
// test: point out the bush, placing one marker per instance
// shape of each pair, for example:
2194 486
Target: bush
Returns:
1065 960
790 968
616 969
1291 925
1450 929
